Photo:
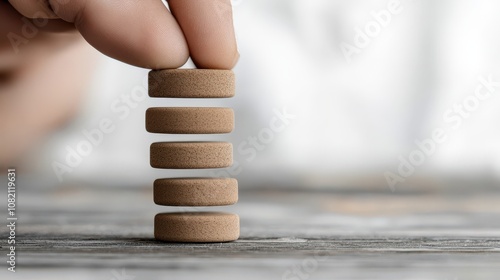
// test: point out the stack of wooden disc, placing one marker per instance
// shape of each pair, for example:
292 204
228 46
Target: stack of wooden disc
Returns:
193 226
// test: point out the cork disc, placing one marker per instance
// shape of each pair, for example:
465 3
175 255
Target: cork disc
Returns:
191 83
197 227
195 191
190 120
191 155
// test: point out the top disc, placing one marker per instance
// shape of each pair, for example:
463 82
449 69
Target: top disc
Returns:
191 83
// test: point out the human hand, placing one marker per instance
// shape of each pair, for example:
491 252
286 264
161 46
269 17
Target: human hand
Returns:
45 63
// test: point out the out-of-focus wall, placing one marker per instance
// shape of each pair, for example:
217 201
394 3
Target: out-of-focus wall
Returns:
329 93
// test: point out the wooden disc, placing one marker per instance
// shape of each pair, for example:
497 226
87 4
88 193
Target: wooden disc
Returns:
191 83
195 191
190 120
197 227
191 155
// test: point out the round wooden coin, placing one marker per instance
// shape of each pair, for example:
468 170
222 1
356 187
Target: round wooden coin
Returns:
195 191
189 120
191 155
197 227
191 83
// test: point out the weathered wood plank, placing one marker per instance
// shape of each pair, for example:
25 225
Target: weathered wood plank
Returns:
285 235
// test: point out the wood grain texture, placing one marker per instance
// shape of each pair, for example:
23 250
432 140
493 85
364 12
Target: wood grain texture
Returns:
96 232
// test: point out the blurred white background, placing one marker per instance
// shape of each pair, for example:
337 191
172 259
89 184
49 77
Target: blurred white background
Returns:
354 115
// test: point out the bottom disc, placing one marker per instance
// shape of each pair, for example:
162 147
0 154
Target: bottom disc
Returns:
197 227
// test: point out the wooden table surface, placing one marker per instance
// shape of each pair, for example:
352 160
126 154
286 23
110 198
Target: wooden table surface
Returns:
106 233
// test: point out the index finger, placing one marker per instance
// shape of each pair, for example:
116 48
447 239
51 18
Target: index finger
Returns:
208 28
141 33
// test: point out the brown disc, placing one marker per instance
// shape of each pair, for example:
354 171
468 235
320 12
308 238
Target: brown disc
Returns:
191 155
190 120
195 191
191 83
197 227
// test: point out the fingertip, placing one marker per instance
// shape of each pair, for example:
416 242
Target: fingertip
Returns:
166 53
209 31
225 62
34 9
169 64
